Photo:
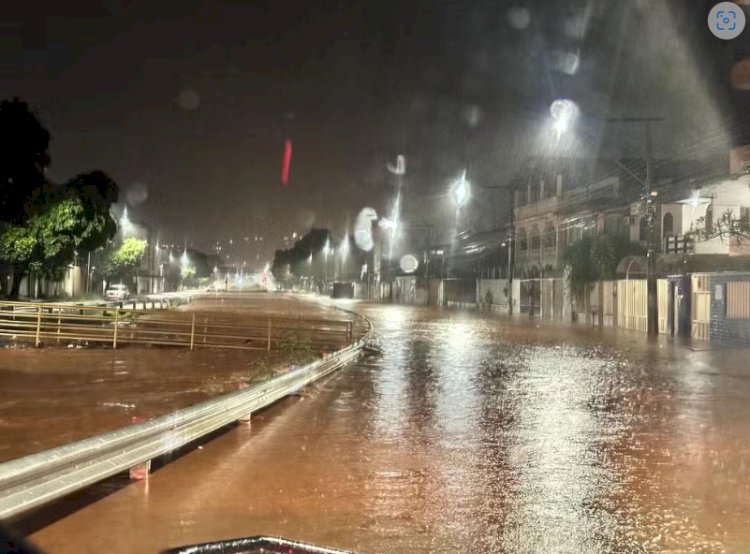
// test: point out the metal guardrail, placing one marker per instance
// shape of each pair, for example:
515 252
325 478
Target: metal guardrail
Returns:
60 323
34 480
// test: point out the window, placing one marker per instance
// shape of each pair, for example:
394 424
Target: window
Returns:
550 236
536 242
643 230
668 225
523 243
744 217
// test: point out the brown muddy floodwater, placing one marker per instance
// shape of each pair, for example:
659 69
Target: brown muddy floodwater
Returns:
467 434
56 395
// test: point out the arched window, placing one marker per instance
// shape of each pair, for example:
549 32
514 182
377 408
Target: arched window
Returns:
710 218
550 236
534 238
643 230
667 226
523 243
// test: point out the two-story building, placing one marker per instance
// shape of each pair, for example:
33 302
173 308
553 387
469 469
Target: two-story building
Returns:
680 213
561 201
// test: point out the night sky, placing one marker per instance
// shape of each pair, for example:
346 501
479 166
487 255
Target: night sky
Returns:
190 102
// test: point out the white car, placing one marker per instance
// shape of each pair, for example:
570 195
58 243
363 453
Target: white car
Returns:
117 292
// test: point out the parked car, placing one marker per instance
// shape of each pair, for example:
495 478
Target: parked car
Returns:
117 293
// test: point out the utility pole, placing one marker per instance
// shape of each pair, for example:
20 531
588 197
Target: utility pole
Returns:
651 288
511 248
511 239
648 199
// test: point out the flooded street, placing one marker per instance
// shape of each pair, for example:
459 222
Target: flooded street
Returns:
56 395
467 434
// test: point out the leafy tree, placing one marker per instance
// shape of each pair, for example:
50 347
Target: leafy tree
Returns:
123 261
96 192
17 247
202 263
729 225
66 219
296 260
24 157
43 225
594 259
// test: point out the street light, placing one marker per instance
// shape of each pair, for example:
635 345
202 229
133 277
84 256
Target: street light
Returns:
184 259
564 112
125 223
461 190
344 248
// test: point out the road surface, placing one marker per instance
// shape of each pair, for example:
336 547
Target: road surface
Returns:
467 434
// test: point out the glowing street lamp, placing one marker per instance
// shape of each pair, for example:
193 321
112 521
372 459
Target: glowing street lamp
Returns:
461 191
184 259
564 112
344 248
125 223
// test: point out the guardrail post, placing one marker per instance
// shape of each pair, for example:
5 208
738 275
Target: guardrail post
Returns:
192 333
350 330
58 327
139 472
205 329
38 325
268 347
247 418
114 336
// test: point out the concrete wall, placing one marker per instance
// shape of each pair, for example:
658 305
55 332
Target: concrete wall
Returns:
72 284
498 289
460 292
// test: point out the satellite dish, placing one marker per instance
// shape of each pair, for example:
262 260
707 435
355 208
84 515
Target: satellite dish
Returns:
409 264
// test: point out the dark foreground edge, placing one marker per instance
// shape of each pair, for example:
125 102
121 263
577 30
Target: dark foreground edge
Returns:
253 545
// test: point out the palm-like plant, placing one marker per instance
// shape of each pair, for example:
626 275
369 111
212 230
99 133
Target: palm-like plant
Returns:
594 259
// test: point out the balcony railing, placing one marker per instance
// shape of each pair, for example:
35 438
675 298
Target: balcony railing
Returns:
679 244
537 208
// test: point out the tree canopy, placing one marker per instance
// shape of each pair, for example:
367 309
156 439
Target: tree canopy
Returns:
595 258
296 260
730 224
43 225
123 261
24 157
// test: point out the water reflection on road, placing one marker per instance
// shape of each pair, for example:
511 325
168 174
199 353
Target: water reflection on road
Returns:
468 434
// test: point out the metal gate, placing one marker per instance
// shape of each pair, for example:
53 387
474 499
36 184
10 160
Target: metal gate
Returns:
701 306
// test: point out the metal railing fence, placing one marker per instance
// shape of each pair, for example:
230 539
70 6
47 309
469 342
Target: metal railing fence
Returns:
56 323
31 481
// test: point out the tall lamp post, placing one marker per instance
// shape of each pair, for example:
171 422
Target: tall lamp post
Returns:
648 199
564 113
310 260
